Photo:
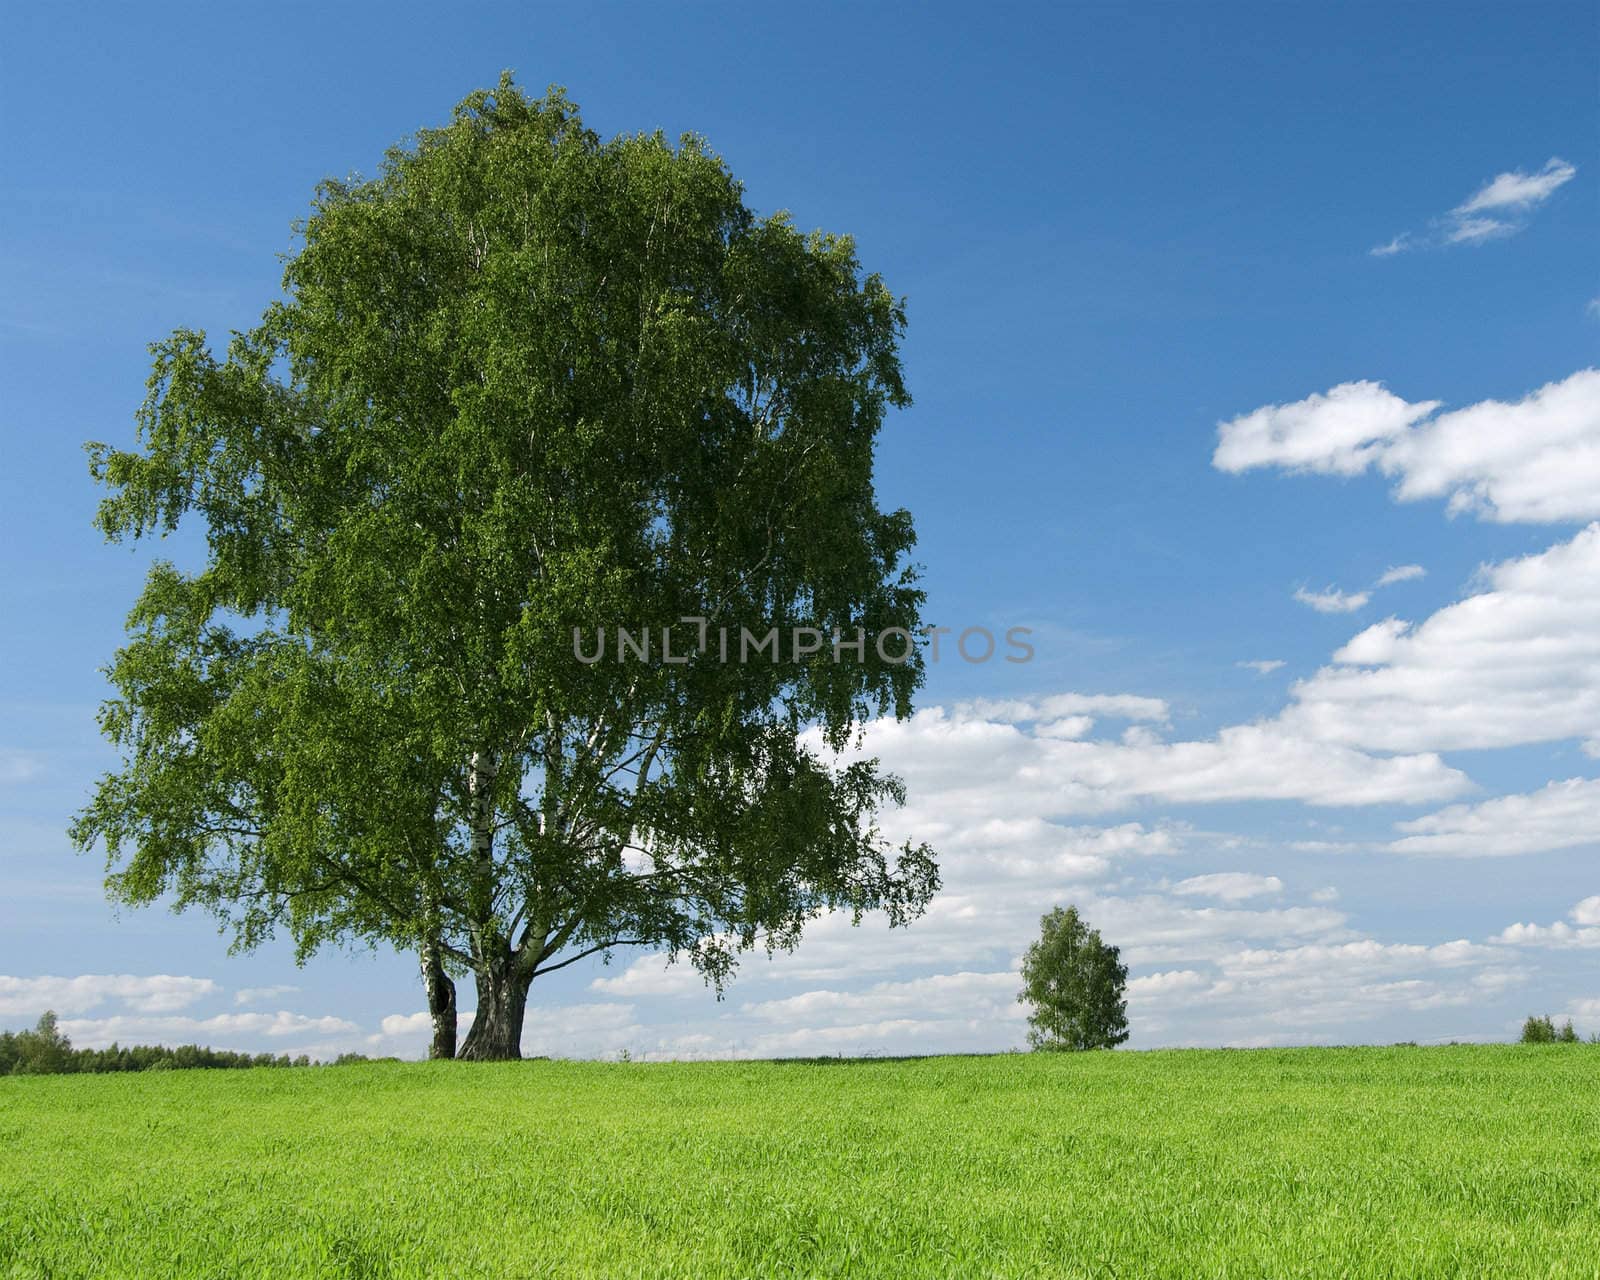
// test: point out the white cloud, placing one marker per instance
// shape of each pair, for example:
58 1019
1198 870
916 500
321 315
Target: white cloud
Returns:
581 1030
1154 987
1338 432
1261 666
224 1031
259 995
1588 1009
651 976
1510 197
156 993
1583 932
1364 956
1056 707
410 1025
989 996
1295 989
978 926
1332 600
1402 573
1559 934
1325 985
1229 886
1477 230
1518 662
1533 460
964 770
1560 815
1517 190
1537 459
1027 846
1152 929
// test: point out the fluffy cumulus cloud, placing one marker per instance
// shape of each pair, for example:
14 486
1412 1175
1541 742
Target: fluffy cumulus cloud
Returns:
1561 815
1536 459
970 762
1581 928
1339 432
1499 208
155 993
1517 662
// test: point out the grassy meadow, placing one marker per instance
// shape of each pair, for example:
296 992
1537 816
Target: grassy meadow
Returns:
1404 1162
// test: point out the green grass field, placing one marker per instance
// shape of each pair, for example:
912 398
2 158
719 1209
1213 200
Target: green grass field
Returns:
1460 1161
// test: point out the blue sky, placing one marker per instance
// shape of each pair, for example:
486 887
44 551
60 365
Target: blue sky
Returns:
1117 227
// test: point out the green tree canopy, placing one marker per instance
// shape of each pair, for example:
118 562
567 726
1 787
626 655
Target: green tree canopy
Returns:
520 383
1075 984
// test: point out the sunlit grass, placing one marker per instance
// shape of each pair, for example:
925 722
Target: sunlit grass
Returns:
1459 1161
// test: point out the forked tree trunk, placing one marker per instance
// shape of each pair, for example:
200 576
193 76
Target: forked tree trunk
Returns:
441 992
496 1032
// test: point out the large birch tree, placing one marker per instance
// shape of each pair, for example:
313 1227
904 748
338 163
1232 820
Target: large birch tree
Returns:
522 383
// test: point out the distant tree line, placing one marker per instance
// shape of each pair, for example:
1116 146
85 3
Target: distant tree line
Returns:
46 1051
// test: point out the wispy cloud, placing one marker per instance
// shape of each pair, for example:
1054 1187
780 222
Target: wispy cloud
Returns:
1401 573
1499 208
1519 191
1333 600
1229 886
1477 230
256 995
17 766
1261 666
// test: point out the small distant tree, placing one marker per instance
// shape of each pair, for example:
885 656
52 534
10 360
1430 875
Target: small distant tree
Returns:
1075 984
1568 1034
